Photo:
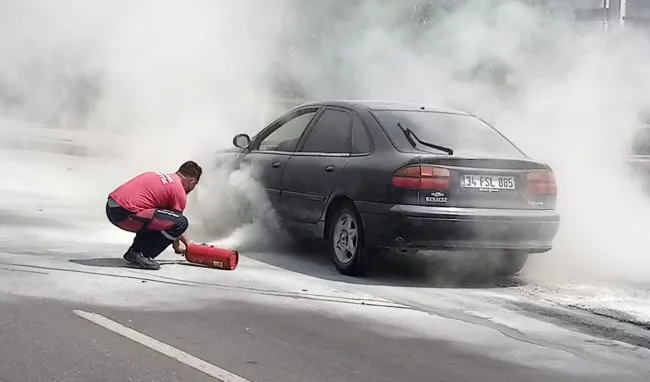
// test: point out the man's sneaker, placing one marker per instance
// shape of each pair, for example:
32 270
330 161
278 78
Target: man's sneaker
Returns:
136 258
129 256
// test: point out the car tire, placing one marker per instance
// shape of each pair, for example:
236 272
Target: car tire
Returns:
346 241
511 263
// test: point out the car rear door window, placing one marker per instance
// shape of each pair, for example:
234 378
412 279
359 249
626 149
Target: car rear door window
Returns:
286 137
331 133
361 143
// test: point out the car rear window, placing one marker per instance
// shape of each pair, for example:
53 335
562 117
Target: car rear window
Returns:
466 135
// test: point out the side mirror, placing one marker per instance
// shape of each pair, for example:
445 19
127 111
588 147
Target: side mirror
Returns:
241 141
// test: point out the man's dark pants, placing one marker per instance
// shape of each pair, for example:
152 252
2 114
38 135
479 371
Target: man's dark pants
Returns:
154 229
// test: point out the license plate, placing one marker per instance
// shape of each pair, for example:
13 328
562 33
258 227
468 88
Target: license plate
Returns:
488 182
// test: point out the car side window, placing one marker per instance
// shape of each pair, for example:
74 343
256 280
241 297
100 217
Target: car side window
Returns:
331 134
361 142
287 136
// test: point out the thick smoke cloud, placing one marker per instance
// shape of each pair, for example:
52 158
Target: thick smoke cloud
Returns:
178 79
568 94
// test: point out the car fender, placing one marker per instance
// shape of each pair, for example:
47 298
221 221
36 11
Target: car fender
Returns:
335 199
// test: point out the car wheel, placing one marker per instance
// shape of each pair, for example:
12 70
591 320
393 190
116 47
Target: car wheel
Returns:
511 263
346 242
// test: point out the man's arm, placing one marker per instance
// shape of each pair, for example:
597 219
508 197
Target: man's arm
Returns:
177 204
183 238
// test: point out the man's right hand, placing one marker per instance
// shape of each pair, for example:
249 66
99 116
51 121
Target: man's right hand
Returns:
179 249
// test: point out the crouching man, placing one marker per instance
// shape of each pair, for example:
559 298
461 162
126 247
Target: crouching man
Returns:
151 205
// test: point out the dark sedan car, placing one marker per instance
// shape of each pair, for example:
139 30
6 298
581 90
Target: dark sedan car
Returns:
367 175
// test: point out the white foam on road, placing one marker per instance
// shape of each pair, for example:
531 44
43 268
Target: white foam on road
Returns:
104 280
489 308
622 300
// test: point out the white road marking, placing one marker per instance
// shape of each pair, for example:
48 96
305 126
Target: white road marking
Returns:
179 355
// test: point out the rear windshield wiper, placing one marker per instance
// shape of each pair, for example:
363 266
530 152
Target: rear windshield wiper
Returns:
410 135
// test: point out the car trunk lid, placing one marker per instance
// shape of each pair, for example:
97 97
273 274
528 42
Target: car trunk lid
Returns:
476 182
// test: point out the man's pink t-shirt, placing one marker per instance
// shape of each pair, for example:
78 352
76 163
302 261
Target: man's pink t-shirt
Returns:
151 190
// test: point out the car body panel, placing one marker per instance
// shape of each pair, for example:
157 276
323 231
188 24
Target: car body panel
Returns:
408 226
307 184
516 169
269 167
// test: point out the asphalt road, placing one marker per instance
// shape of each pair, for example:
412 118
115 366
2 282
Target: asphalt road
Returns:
70 310
47 341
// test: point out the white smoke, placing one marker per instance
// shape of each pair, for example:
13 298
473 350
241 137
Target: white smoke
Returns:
179 79
166 81
566 93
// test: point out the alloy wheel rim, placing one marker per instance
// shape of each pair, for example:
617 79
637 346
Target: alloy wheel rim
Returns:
346 238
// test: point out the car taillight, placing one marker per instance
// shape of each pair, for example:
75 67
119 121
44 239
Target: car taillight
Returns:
422 177
541 183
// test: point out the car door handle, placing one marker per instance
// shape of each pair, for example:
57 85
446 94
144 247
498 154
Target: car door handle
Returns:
329 168
275 164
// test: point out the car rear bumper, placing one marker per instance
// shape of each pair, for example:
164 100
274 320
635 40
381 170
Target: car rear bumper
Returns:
435 228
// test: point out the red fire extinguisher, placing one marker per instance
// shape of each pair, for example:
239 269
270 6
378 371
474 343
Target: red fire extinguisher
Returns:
211 256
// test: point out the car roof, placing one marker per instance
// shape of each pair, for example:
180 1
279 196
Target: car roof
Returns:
384 105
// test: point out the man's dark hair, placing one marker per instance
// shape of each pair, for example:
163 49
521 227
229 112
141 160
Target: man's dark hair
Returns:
191 169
